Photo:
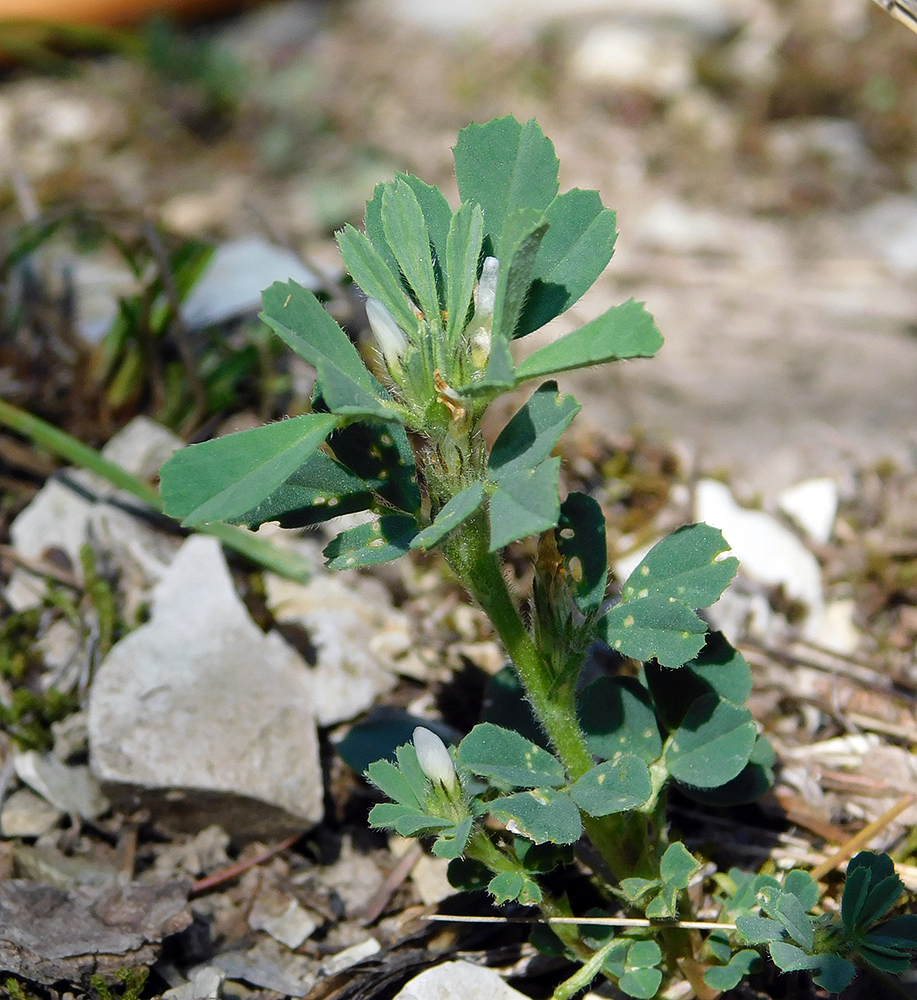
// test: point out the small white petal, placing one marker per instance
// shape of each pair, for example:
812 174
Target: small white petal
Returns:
434 758
487 288
389 335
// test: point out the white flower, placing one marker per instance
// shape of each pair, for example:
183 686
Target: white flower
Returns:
389 335
483 320
487 289
434 758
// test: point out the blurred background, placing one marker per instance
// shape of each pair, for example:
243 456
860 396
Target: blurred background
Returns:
161 163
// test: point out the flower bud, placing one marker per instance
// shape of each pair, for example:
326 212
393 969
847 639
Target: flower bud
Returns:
487 289
389 335
483 319
434 758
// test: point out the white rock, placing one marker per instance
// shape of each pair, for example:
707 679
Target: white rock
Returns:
204 983
813 506
26 814
72 507
621 56
357 634
890 227
458 981
768 552
142 447
70 789
335 964
838 631
288 923
431 880
203 713
675 227
236 275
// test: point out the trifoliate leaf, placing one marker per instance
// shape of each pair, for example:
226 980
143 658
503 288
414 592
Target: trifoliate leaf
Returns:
508 758
223 479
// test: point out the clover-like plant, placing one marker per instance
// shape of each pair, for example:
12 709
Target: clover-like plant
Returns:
448 292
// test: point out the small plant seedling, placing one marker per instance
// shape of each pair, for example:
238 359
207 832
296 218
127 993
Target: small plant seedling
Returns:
449 291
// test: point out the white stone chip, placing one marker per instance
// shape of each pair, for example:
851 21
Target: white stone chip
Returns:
768 552
200 710
359 639
73 790
812 504
26 814
458 981
356 953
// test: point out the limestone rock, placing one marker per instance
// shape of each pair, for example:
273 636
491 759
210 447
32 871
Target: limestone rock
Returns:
202 715
358 637
768 552
458 981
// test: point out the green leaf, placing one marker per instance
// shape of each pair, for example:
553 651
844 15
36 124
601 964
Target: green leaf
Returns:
653 627
521 237
375 233
580 538
727 977
641 983
801 885
409 766
856 889
407 235
713 743
684 566
375 276
542 814
534 430
510 886
895 964
617 717
222 479
758 930
460 507
463 249
524 503
504 165
717 669
320 489
386 538
748 786
635 889
405 821
789 911
641 978
789 958
451 843
508 758
299 319
467 875
678 866
391 782
881 899
541 858
624 331
833 973
574 252
436 212
382 456
899 932
613 787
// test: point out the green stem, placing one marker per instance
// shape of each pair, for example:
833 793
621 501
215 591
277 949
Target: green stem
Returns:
481 573
67 447
554 706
